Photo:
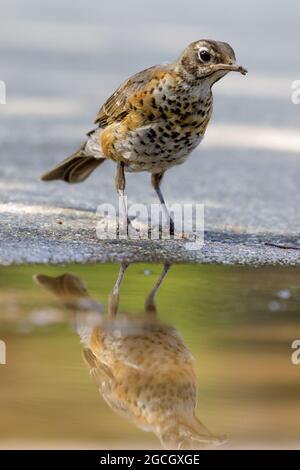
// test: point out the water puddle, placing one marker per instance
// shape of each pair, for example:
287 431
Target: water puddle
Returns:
95 355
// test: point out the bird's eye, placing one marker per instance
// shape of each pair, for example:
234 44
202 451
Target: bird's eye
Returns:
204 55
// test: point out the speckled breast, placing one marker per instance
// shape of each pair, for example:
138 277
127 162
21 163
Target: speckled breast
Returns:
156 147
165 124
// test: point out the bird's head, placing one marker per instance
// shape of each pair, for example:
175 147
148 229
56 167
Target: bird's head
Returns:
208 60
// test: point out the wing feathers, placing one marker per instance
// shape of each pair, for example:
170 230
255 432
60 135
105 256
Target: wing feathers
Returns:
116 107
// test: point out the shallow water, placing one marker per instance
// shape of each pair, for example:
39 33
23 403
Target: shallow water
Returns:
238 324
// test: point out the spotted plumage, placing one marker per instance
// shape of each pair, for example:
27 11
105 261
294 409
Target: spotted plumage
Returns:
140 365
165 122
155 119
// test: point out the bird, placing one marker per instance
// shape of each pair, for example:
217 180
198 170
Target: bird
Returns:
140 365
154 120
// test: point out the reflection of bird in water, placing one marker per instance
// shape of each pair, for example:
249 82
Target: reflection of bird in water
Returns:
141 366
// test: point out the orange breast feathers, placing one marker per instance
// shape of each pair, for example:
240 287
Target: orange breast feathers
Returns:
142 108
147 101
107 138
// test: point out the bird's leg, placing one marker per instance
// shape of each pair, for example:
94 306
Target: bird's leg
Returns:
150 307
120 183
156 180
113 300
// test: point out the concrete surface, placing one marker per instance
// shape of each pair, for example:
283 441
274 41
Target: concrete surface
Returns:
35 234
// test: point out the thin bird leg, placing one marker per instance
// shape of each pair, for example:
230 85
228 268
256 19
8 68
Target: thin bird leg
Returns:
120 183
156 180
113 300
150 306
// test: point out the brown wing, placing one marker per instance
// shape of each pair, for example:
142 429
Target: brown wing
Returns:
110 389
115 108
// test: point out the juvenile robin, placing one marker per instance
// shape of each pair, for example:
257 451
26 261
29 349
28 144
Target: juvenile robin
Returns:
155 119
141 366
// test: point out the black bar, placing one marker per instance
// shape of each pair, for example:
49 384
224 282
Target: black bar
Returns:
135 459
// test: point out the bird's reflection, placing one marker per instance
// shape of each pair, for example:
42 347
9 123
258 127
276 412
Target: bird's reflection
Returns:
141 366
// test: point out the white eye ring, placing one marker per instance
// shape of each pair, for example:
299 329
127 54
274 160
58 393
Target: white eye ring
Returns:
204 55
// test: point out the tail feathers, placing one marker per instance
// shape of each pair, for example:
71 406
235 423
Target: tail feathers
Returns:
75 168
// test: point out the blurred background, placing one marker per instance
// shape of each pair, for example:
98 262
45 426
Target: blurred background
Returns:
61 60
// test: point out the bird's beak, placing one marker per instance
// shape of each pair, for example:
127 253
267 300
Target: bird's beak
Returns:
229 68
